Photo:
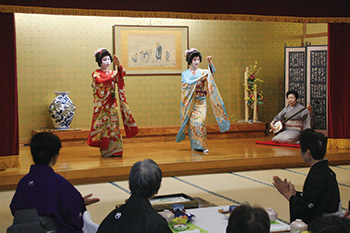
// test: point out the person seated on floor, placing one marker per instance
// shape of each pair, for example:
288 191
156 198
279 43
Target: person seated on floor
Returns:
320 194
292 127
52 196
137 214
330 224
248 219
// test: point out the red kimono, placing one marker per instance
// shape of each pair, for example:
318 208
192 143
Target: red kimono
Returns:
105 131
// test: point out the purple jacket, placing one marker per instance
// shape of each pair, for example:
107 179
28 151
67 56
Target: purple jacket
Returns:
52 196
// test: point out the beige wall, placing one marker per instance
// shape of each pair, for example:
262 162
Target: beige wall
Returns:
316 33
55 53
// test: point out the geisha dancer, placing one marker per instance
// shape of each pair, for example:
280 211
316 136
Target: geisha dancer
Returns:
107 85
193 102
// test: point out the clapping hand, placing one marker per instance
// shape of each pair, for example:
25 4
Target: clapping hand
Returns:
347 214
286 188
88 200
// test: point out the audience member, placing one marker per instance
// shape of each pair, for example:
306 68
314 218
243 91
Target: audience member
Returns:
320 194
51 195
137 214
330 224
248 219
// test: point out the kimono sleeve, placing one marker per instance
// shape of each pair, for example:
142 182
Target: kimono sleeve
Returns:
305 204
308 120
18 199
72 206
163 226
212 68
280 115
186 78
120 77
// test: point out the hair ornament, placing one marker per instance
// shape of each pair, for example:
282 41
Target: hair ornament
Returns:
98 51
191 50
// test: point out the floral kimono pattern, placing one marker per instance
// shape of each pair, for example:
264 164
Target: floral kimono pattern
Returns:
105 132
194 107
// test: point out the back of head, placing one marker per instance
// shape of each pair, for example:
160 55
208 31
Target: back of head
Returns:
313 141
44 146
248 219
331 224
145 178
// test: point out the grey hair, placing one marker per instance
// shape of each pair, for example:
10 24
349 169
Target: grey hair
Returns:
145 178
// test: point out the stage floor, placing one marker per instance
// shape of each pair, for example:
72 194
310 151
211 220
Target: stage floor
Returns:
82 164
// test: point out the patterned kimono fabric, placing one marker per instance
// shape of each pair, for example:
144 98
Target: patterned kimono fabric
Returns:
194 107
294 125
104 132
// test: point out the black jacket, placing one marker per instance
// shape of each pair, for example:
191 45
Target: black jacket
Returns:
320 194
135 216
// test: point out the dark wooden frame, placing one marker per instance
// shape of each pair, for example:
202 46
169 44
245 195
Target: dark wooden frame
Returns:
150 72
193 203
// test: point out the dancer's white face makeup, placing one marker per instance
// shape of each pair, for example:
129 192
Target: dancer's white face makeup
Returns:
292 101
195 63
105 62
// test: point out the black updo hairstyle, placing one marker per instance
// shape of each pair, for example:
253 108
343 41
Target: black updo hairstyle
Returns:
295 93
193 54
101 54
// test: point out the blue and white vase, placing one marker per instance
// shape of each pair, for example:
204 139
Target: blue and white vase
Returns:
61 110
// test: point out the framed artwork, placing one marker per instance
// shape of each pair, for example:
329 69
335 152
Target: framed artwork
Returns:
151 50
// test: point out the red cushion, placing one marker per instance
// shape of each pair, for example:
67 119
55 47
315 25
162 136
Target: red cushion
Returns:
271 143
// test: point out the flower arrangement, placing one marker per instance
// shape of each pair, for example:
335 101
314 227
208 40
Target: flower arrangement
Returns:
251 85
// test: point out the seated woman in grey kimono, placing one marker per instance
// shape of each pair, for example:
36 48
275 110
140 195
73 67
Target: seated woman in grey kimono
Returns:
297 123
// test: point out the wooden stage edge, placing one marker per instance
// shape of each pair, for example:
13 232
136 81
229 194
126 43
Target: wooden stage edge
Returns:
228 155
118 173
97 175
237 130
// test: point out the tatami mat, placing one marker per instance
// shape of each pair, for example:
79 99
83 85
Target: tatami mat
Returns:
254 187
